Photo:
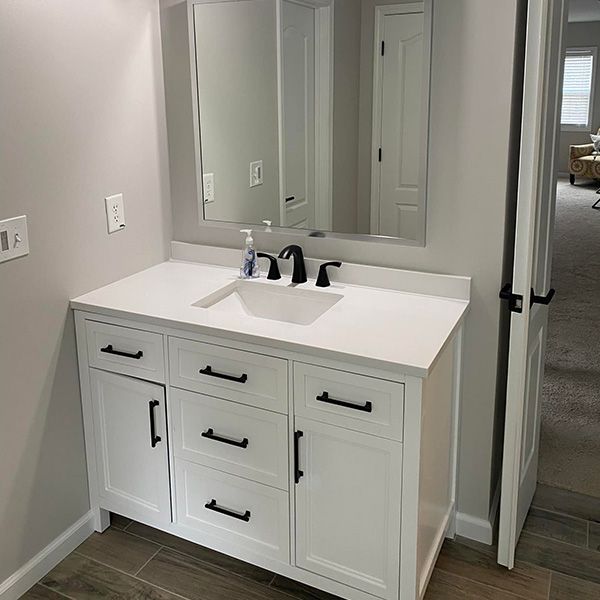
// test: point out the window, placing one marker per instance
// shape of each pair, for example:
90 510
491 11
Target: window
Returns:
578 88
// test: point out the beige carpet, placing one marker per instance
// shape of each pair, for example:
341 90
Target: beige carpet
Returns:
570 434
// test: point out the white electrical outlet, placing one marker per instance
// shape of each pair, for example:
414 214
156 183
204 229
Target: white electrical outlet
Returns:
208 181
115 213
14 240
256 173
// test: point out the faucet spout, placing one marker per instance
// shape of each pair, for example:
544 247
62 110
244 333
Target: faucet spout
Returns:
299 271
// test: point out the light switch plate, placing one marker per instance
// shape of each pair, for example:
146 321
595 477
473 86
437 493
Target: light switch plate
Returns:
115 213
14 240
208 183
256 173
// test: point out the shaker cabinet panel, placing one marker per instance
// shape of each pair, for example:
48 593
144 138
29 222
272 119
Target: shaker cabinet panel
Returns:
348 507
131 447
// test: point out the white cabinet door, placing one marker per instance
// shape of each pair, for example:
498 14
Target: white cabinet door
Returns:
131 447
348 507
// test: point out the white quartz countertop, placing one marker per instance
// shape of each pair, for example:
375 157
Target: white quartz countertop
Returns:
379 328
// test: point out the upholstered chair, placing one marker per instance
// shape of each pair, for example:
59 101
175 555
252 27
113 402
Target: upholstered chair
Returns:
584 162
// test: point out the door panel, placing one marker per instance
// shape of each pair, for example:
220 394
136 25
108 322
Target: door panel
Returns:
546 20
298 66
348 507
133 476
400 195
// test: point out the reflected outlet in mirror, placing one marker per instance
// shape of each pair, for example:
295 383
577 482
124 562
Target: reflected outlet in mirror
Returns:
266 301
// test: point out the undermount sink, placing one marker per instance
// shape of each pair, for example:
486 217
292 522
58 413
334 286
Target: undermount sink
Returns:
267 301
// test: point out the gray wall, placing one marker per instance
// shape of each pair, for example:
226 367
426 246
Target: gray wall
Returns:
471 110
581 34
82 117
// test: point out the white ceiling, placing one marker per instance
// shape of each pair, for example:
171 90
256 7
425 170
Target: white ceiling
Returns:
584 10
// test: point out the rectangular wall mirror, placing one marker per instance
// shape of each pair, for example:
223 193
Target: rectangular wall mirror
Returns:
313 114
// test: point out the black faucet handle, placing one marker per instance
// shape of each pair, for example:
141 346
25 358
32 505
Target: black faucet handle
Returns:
323 278
274 273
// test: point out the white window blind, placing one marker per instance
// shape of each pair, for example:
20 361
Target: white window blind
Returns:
578 87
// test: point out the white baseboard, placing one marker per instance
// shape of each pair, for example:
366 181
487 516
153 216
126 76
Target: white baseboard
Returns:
45 560
480 530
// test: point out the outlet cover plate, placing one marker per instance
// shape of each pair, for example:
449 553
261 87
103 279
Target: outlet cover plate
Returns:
115 213
14 239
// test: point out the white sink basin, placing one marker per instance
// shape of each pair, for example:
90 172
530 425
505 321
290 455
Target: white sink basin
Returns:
267 301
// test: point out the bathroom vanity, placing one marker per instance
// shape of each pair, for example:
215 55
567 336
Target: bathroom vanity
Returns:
309 431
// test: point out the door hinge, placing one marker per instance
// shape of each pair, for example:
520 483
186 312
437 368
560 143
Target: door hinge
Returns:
515 301
379 155
382 48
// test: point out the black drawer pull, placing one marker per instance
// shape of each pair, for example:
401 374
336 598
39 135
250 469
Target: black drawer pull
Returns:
154 439
324 397
297 472
110 350
208 371
211 435
212 505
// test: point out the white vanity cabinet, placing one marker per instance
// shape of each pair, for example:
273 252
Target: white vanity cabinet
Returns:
332 473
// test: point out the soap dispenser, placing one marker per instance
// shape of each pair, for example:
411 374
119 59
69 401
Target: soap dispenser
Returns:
249 268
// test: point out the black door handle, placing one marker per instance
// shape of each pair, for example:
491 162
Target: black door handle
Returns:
366 407
212 505
110 350
542 299
208 371
211 435
297 472
154 439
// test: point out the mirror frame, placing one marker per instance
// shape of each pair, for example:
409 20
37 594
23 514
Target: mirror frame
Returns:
428 6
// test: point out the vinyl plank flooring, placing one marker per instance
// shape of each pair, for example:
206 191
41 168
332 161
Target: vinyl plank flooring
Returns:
594 540
197 580
207 555
81 578
119 550
557 526
300 590
479 565
569 588
39 592
118 521
448 586
581 563
567 502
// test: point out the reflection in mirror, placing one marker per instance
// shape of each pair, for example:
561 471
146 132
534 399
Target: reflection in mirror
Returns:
314 115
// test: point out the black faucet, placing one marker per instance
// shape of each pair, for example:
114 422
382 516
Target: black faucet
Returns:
323 278
274 273
299 272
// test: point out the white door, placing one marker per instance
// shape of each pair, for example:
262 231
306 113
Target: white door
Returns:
348 507
531 272
401 193
299 130
131 447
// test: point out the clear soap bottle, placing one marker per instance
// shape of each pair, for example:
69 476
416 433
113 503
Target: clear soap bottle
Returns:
249 268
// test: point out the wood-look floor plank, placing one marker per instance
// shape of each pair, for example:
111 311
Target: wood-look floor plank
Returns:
569 588
448 586
567 502
557 526
118 521
117 549
207 555
81 578
198 580
300 590
594 540
480 565
39 592
581 563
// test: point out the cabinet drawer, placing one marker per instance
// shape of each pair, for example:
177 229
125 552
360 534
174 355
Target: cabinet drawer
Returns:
126 351
250 515
235 375
240 440
352 401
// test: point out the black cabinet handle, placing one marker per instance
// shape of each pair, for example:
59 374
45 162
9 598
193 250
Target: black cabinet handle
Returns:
290 198
212 505
208 371
297 472
211 435
366 407
110 350
154 439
